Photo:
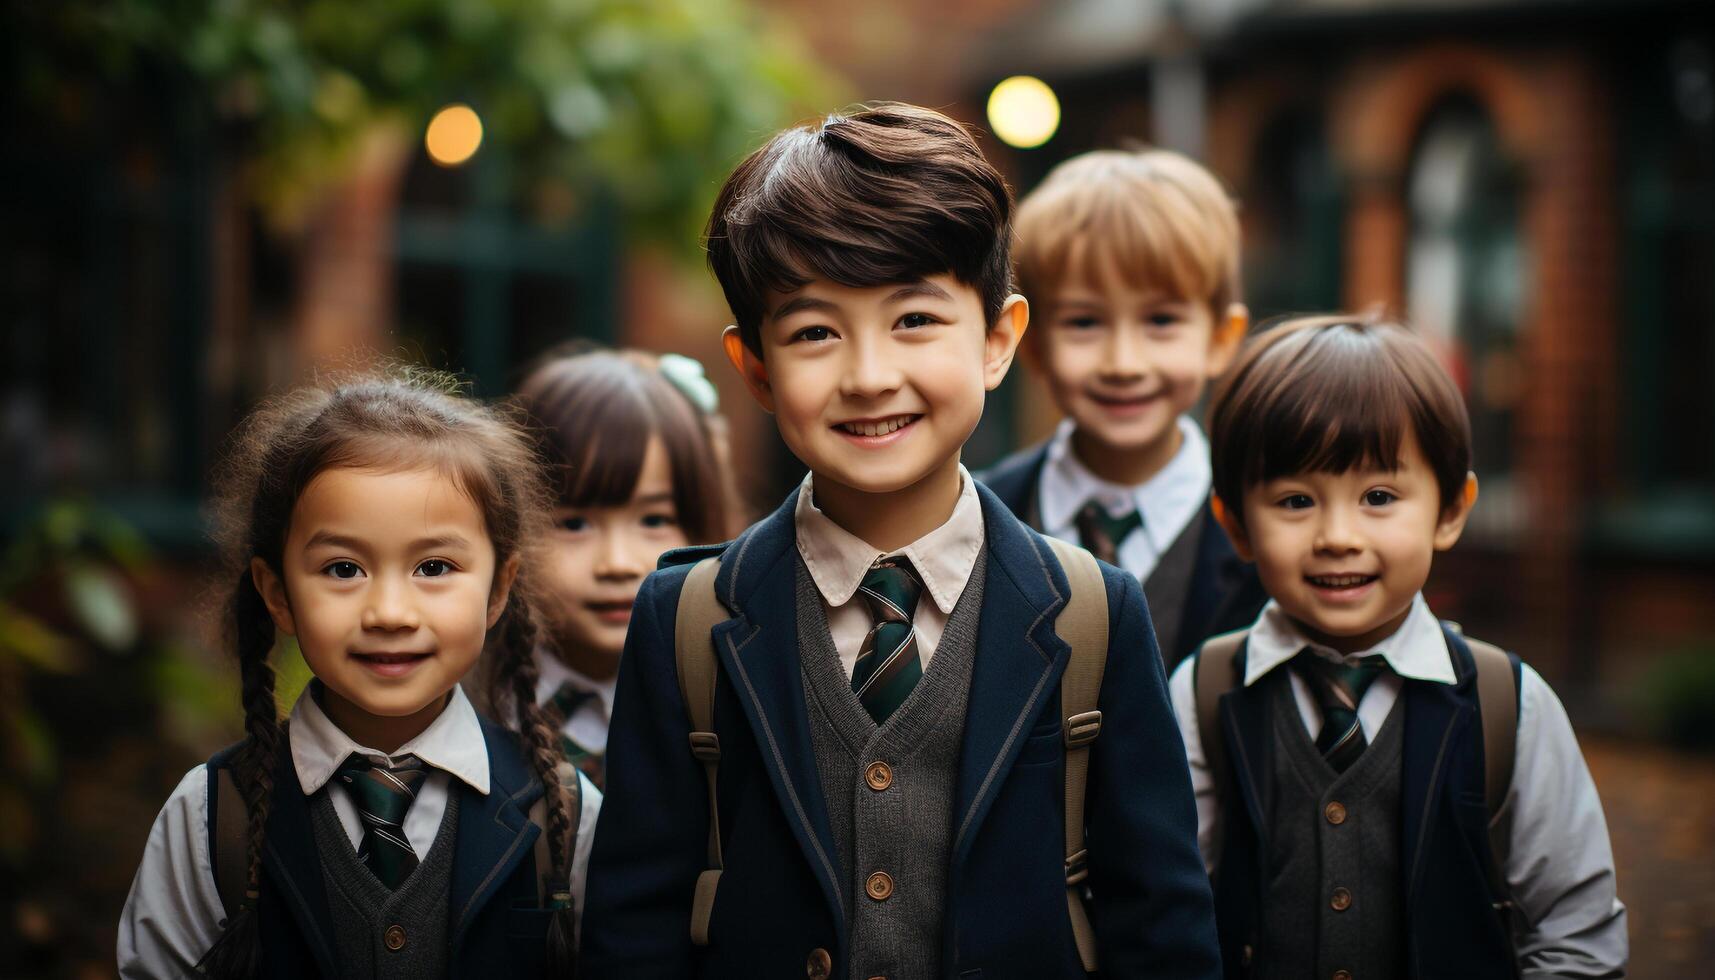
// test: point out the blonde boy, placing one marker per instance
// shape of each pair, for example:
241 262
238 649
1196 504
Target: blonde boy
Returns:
1130 260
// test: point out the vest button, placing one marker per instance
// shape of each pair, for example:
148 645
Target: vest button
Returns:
394 937
818 965
879 886
1335 812
879 776
1341 901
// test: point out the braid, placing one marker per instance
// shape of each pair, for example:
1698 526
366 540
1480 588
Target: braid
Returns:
517 670
237 953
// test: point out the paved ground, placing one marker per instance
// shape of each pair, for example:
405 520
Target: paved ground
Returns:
1661 816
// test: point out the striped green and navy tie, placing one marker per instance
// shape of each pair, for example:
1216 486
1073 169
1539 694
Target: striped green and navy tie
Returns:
382 795
888 667
1338 688
567 699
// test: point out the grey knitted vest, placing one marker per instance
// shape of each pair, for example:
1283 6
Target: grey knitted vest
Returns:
896 822
369 921
1333 897
1170 583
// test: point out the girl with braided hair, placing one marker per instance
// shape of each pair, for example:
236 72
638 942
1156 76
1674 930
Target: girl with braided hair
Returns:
385 828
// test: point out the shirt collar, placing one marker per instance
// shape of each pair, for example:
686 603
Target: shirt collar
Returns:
1167 501
944 558
551 672
1417 650
453 742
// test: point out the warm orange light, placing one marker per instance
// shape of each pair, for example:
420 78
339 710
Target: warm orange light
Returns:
453 135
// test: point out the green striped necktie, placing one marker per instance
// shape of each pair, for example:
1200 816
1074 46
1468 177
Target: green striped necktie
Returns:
888 667
1338 688
382 795
567 699
1101 534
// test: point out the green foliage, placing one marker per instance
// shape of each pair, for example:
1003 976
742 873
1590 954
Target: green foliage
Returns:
1677 696
646 100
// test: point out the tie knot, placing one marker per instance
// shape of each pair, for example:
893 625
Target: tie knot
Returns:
385 792
1102 533
568 698
891 590
1344 683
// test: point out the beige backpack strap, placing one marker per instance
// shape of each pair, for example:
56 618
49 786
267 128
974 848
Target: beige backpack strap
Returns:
231 842
1083 625
1214 673
574 788
1497 697
693 649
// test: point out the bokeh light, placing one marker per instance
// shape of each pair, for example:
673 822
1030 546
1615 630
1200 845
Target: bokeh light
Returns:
454 135
1023 111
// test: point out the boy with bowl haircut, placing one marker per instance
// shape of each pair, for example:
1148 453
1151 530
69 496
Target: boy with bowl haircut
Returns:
886 699
1130 259
1378 795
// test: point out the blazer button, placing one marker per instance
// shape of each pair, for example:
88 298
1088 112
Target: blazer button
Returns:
879 886
1341 901
879 776
1336 813
394 937
1342 975
819 965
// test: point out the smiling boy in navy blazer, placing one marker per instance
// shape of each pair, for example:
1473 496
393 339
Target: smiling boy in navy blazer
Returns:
888 689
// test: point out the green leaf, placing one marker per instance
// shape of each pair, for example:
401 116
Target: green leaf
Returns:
99 599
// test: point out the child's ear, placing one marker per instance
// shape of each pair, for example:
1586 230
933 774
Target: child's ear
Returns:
749 367
1455 514
1002 339
272 589
1235 530
1225 337
504 576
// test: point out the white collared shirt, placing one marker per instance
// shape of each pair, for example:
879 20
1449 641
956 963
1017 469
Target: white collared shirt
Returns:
838 560
173 913
1167 501
587 726
1560 865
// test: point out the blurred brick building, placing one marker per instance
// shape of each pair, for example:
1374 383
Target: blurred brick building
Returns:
1532 184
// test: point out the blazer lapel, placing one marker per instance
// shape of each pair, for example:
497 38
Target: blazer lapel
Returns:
289 854
1018 663
758 650
494 832
1435 714
1245 726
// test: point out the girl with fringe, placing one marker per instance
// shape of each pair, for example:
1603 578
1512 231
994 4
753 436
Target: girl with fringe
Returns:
385 828
635 453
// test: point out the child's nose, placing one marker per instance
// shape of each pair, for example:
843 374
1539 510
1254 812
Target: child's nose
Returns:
1126 356
389 607
1337 532
617 558
870 370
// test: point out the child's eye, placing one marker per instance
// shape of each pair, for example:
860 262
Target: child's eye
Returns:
814 334
913 321
656 521
435 567
574 523
1162 318
1379 498
342 569
1082 322
1297 501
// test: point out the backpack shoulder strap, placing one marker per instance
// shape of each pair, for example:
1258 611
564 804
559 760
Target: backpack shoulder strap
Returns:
574 788
1214 673
229 829
1083 625
694 654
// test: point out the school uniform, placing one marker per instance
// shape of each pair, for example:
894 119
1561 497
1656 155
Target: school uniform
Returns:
583 707
470 907
1197 586
947 858
1384 868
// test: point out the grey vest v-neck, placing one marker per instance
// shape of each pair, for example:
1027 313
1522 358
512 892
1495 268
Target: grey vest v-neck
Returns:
381 933
1169 585
1333 898
889 789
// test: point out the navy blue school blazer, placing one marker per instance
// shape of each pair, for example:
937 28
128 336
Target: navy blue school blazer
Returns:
495 926
780 897
1225 593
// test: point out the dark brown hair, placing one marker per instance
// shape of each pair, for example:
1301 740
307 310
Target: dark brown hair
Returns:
1330 393
593 413
398 420
889 193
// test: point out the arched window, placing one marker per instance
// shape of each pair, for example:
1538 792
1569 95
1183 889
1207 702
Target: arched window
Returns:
1292 217
1466 269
